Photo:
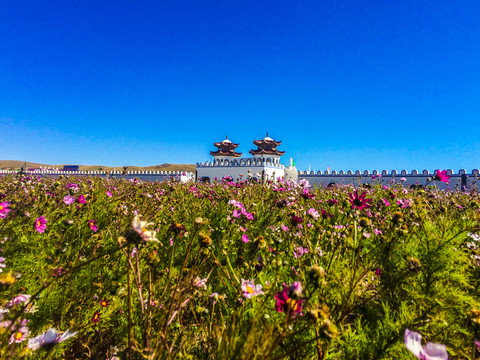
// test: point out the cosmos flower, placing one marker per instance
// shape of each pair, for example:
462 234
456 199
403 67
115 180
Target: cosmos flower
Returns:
198 282
81 199
313 213
93 225
18 300
51 336
442 176
68 199
245 238
140 228
19 335
250 289
96 317
431 351
287 304
73 187
359 201
109 193
4 210
41 224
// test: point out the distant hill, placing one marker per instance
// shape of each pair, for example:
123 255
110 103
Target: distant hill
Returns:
16 164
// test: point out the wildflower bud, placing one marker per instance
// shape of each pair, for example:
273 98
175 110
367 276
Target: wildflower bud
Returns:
414 265
317 275
365 222
205 240
132 236
295 290
67 222
200 221
398 217
476 316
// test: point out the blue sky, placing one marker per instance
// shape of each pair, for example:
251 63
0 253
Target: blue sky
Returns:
346 84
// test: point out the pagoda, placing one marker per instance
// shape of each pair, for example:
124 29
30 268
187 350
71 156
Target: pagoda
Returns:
267 147
225 150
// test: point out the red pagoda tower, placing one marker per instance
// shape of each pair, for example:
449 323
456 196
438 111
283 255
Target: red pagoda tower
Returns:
225 149
266 147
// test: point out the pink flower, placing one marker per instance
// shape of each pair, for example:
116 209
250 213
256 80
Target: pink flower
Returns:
385 202
4 210
245 238
81 199
40 224
250 289
19 335
73 187
93 225
68 199
286 302
199 282
18 300
442 176
359 201
403 203
284 227
236 213
109 194
431 351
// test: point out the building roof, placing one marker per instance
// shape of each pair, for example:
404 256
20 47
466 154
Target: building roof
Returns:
225 148
266 146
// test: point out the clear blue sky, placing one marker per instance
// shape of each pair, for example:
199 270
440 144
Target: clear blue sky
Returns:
346 84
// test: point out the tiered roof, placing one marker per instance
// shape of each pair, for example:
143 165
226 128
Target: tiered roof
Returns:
225 148
266 146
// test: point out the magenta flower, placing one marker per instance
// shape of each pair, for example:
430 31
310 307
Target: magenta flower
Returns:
93 225
4 210
81 199
73 187
431 351
245 238
109 194
41 224
442 176
286 302
359 201
68 199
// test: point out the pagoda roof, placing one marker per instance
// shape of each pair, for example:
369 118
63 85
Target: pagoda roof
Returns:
262 151
225 148
226 144
267 146
225 153
266 141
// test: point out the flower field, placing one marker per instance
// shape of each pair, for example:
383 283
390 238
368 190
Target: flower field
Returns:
94 268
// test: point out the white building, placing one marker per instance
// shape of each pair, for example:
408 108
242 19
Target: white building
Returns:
265 163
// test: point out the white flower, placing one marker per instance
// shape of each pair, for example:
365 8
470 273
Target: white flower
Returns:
140 228
250 289
431 351
49 337
198 282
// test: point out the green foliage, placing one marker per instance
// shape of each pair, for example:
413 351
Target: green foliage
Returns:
409 259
